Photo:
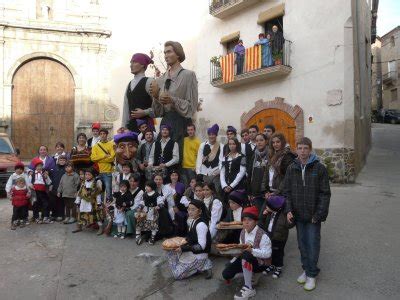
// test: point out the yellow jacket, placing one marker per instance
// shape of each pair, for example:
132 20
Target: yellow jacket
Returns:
100 157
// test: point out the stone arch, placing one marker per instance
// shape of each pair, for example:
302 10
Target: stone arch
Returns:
26 58
296 112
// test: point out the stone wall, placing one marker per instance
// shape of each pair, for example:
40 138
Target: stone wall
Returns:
340 163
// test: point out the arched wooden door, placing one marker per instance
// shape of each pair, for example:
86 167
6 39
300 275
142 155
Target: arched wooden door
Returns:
282 121
43 106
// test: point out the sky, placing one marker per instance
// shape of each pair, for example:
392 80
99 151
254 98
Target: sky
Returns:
388 16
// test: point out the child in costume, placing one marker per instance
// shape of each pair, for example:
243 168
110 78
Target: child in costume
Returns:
123 202
192 257
40 181
147 213
275 224
254 258
20 195
67 190
89 202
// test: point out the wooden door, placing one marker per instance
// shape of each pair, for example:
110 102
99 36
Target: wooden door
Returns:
282 121
42 106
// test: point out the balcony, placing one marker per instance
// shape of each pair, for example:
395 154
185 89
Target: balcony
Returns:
225 73
224 8
389 78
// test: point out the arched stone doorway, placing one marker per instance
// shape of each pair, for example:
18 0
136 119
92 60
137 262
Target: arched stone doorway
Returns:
286 118
43 105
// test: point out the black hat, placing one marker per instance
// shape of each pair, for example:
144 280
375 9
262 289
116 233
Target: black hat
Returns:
239 196
199 204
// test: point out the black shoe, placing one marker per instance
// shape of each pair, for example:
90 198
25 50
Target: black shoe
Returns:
277 272
269 269
139 239
152 240
208 274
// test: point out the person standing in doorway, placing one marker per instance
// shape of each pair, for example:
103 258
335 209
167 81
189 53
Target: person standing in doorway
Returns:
307 191
239 51
266 52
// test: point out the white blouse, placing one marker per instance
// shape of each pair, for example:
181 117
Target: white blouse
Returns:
216 214
239 176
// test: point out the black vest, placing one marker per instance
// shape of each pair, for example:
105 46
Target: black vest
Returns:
150 201
163 156
232 168
215 162
249 153
135 193
138 98
192 238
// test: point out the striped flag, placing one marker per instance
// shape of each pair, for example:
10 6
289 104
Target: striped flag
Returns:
228 68
253 58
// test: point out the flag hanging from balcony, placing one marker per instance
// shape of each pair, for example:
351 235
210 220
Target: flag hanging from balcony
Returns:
253 58
228 68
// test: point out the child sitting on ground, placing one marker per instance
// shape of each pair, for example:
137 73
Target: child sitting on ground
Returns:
238 199
147 214
198 191
276 225
254 258
20 195
192 257
123 202
189 192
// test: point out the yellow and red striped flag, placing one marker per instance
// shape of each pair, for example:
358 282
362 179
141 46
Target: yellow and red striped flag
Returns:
228 68
253 58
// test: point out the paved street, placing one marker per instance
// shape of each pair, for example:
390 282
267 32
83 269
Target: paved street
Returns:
359 255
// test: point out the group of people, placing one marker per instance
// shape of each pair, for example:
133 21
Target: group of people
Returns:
271 45
153 184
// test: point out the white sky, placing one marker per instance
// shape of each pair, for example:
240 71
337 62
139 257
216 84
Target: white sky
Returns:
388 16
138 26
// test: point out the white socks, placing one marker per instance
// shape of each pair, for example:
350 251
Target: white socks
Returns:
247 274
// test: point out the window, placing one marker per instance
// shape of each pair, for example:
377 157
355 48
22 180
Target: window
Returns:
229 41
5 146
230 46
274 22
392 41
43 9
392 66
393 95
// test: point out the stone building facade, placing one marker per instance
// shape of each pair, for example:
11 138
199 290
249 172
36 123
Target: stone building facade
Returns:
319 85
376 96
54 76
390 55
